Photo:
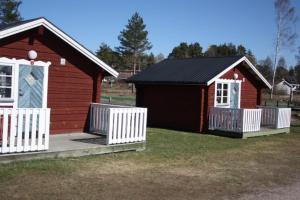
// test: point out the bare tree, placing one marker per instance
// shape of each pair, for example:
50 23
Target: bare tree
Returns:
285 31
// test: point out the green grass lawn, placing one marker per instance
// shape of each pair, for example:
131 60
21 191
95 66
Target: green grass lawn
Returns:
118 100
175 165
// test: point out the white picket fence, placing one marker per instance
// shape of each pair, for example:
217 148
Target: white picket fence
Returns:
234 120
120 124
24 129
276 117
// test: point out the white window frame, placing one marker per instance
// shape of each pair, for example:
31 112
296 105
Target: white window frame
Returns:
227 81
6 76
15 63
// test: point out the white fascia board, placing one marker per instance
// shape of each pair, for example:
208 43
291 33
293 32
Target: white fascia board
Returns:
257 72
234 65
60 34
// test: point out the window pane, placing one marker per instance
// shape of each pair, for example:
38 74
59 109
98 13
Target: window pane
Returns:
219 93
219 86
5 81
218 99
225 86
224 99
5 92
5 70
225 93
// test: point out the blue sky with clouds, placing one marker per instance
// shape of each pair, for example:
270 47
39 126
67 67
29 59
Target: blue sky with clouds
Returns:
247 22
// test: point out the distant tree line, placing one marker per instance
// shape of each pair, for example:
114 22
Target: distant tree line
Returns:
193 50
134 45
282 70
9 11
133 51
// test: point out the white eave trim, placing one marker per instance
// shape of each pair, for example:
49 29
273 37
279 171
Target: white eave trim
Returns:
60 34
234 65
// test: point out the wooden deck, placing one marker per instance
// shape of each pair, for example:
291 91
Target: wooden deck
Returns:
73 145
245 123
265 131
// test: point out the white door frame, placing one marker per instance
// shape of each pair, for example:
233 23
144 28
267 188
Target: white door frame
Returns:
15 63
229 92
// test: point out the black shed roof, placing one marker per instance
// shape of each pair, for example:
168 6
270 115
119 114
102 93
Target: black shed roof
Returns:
186 71
4 26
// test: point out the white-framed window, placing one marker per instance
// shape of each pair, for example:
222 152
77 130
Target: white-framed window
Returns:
6 82
222 94
224 89
9 80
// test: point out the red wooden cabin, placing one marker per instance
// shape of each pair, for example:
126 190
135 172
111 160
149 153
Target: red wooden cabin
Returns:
61 74
179 92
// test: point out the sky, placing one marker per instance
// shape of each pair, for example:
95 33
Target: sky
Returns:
169 22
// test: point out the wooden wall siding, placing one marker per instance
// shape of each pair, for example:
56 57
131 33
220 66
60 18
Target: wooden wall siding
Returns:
71 87
186 107
171 106
250 89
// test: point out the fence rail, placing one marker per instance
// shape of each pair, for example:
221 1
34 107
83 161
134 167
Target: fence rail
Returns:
276 117
248 120
24 129
120 124
234 120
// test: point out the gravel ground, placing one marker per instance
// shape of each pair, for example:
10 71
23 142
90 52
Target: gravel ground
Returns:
288 192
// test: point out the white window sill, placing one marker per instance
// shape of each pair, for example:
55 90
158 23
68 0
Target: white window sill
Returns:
4 100
222 105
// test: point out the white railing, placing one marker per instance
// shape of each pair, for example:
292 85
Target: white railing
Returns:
234 120
24 129
120 124
269 116
276 117
251 120
283 118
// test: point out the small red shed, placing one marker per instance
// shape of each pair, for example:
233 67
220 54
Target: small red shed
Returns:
42 67
179 92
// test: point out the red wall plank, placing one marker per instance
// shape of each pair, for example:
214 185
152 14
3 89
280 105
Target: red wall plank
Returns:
250 87
171 106
71 88
185 107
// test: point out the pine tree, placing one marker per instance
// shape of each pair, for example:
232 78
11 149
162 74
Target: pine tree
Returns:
183 50
109 56
9 11
134 40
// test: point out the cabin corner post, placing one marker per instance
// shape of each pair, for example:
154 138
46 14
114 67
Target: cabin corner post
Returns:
202 107
242 119
97 82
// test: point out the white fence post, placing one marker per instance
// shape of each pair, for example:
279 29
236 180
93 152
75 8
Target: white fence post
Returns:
234 120
276 117
24 129
120 124
283 118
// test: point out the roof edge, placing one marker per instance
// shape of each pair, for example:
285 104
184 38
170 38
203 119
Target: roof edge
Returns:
244 58
51 27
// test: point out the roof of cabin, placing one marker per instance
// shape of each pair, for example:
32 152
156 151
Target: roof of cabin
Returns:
14 24
202 70
189 70
17 27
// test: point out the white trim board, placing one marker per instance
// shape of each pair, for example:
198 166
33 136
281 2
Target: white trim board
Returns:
43 22
15 79
234 65
229 92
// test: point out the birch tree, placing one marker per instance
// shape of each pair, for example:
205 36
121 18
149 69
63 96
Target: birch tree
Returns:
9 11
285 31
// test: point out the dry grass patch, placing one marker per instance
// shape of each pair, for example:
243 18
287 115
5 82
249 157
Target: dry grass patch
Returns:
176 165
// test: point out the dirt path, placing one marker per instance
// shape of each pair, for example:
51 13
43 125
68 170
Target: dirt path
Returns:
288 192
